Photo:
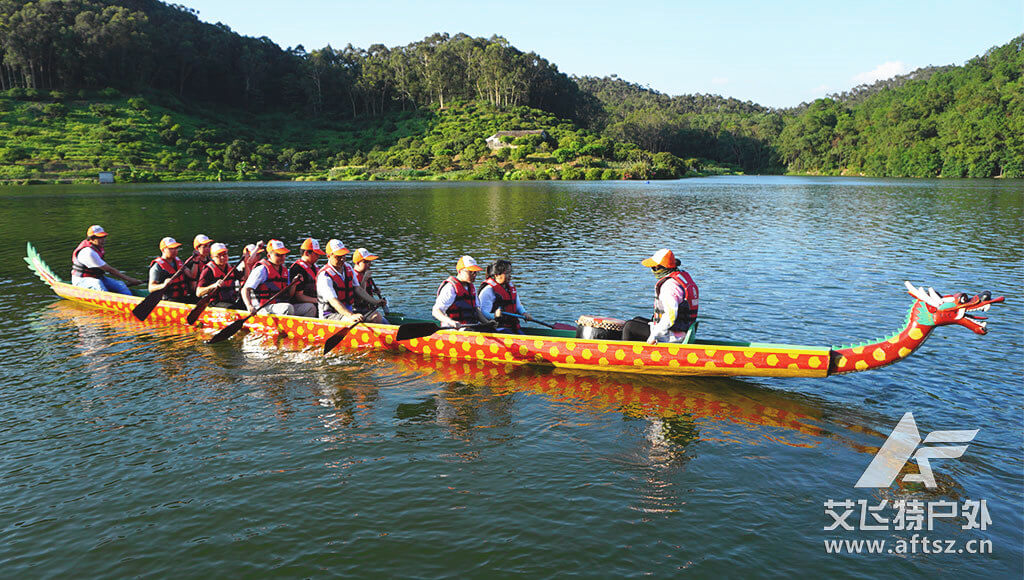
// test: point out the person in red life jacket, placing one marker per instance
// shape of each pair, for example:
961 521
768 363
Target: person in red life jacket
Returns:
200 257
305 269
215 278
337 287
161 270
267 278
89 270
362 261
250 256
456 303
498 295
675 303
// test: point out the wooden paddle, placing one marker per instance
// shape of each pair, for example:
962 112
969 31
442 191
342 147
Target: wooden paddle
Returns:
143 309
336 338
413 330
230 330
200 306
556 326
420 329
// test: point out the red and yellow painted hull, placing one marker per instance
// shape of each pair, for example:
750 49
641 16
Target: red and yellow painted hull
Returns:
700 359
570 353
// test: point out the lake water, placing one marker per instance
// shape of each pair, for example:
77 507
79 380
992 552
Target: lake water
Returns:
132 450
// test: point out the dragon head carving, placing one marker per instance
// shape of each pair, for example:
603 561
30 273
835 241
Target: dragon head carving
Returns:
935 310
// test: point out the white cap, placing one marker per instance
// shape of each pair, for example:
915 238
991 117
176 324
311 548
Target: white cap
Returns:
336 248
218 248
467 263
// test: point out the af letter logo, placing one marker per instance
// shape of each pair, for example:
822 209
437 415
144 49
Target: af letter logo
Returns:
901 446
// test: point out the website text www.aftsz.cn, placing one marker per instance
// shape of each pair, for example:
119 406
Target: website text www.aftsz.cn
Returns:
915 545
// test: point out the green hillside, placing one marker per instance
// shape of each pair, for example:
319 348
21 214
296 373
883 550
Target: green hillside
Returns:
57 138
148 90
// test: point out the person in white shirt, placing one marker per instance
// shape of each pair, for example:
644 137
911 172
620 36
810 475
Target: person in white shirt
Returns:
456 303
269 277
89 270
675 303
337 288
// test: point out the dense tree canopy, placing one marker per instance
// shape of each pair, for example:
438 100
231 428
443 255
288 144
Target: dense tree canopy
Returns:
954 121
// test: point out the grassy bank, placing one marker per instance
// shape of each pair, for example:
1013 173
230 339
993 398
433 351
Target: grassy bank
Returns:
55 137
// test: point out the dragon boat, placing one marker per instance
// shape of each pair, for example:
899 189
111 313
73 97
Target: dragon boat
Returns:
563 349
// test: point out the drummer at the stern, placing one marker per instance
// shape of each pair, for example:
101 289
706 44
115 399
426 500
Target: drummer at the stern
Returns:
675 303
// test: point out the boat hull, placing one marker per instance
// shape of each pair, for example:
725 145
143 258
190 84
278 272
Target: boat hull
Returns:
703 358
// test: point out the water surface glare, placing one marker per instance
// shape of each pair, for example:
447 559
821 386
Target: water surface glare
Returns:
129 449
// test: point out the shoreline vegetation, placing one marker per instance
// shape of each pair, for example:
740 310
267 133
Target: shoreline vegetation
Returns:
147 91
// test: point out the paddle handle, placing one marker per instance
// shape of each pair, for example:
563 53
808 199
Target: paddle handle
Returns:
272 299
513 314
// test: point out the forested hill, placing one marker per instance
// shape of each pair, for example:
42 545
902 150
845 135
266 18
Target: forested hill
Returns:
950 121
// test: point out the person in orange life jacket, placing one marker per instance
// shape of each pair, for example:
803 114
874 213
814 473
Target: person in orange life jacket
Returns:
89 270
201 256
305 269
498 295
161 270
456 302
337 287
675 303
214 278
267 278
362 260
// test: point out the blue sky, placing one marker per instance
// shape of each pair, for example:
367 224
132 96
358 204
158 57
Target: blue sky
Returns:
777 54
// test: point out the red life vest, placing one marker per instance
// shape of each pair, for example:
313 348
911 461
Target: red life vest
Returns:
370 286
687 310
277 280
308 273
195 268
344 285
177 290
463 309
504 298
211 273
80 269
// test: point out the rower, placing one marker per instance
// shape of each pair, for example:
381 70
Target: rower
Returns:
498 295
456 303
162 268
250 255
215 278
89 270
362 261
675 303
200 257
337 288
269 277
305 269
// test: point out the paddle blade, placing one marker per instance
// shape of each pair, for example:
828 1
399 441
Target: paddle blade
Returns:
143 309
416 330
196 312
560 326
228 331
336 338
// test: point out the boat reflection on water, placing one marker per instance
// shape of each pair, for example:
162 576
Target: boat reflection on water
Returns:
679 410
672 413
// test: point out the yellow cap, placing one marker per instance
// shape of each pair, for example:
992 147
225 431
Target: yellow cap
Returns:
95 231
663 257
467 263
277 247
311 245
362 254
200 240
169 242
336 248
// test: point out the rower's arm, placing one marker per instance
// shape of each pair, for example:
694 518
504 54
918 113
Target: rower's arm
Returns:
119 275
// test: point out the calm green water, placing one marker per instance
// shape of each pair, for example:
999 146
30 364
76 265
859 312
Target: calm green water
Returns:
133 450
